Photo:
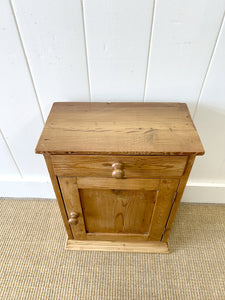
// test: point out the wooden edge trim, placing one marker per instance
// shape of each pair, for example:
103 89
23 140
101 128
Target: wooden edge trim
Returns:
146 247
162 208
58 194
178 197
38 150
111 183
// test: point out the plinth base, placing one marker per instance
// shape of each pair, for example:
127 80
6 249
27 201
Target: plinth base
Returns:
145 247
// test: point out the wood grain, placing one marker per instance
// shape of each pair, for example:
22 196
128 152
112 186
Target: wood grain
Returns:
117 211
148 247
112 183
133 166
58 194
162 208
122 237
120 128
72 203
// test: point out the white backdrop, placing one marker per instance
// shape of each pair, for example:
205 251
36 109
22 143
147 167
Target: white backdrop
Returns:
109 50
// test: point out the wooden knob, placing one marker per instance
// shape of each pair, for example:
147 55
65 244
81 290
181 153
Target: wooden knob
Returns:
118 171
118 174
73 220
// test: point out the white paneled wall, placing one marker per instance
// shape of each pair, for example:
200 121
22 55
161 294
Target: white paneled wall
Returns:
210 119
104 50
20 117
53 38
8 168
183 38
117 34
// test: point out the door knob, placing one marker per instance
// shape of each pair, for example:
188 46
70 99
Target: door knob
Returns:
73 220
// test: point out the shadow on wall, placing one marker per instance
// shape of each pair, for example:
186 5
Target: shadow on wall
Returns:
210 123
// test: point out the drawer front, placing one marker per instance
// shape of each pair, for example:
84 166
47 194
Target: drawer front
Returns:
119 166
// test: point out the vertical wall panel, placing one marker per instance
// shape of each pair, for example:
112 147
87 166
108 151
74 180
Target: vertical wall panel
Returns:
117 45
20 118
210 119
7 165
183 37
53 37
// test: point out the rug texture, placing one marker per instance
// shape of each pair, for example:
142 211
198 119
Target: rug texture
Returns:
34 264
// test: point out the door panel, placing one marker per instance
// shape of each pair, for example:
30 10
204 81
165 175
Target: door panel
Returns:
118 207
117 211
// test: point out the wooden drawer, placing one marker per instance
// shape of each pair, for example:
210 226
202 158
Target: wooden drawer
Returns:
131 166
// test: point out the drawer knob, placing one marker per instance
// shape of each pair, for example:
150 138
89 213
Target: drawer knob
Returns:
73 220
118 171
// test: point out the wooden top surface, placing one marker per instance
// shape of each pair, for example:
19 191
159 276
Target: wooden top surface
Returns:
119 128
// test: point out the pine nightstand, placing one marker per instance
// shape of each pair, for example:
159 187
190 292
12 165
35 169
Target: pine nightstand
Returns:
119 171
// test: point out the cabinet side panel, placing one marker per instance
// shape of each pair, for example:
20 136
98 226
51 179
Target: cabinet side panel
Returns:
162 208
58 194
178 197
71 198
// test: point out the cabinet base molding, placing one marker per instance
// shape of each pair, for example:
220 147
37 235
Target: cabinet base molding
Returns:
146 247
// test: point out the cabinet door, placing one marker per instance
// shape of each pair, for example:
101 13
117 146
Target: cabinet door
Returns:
117 209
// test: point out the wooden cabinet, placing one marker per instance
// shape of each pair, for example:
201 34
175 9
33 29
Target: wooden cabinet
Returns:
119 171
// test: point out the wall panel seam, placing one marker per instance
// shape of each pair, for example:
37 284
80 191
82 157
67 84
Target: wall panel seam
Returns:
86 50
11 154
149 48
26 60
208 67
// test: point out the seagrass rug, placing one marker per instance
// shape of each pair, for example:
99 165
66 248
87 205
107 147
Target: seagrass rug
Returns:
34 264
